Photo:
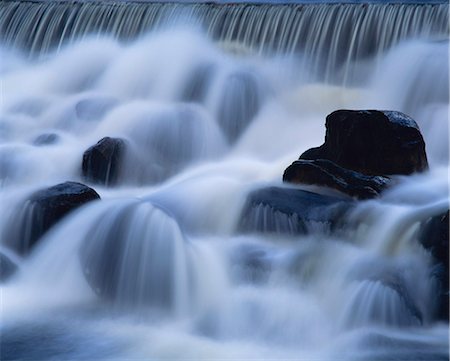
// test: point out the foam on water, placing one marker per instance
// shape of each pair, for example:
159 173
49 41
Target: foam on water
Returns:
157 269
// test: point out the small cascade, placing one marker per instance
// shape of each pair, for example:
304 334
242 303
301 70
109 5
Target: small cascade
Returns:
135 254
378 303
329 34
179 119
163 139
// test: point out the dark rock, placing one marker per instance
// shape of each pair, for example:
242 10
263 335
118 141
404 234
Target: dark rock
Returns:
434 236
372 142
43 210
7 267
46 139
102 162
326 173
291 211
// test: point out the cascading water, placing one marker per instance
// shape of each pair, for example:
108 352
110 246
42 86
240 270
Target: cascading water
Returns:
211 103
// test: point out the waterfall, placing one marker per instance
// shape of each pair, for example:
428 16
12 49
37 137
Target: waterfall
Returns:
179 119
328 34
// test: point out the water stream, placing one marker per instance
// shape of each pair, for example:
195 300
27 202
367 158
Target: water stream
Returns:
215 101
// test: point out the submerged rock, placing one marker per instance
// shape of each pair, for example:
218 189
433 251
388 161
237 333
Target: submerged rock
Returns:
372 142
241 98
163 140
94 108
135 254
291 211
326 173
381 292
197 85
434 237
378 302
43 210
46 139
7 267
102 162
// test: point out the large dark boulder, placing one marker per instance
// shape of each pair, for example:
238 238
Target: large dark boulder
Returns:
102 162
434 237
372 142
326 173
43 210
292 211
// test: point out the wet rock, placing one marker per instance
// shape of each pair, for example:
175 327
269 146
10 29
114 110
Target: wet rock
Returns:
434 237
92 109
7 267
240 100
291 211
197 85
326 173
46 139
43 210
382 293
383 303
164 140
102 162
372 142
131 256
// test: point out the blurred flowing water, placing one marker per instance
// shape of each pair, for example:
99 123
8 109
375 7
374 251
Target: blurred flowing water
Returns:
215 101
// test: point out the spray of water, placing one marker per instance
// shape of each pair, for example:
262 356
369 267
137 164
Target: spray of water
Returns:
157 268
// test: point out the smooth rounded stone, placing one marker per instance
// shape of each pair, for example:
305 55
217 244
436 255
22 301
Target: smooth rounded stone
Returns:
376 302
42 210
7 267
434 237
326 173
135 254
382 294
292 211
372 142
92 109
102 162
198 83
240 99
46 139
162 140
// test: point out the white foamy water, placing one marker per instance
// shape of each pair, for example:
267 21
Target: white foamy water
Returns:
157 268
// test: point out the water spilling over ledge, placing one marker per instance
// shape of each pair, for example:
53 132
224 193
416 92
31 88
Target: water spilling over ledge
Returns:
185 240
336 32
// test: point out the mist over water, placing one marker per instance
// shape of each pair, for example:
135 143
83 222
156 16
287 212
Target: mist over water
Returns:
158 269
